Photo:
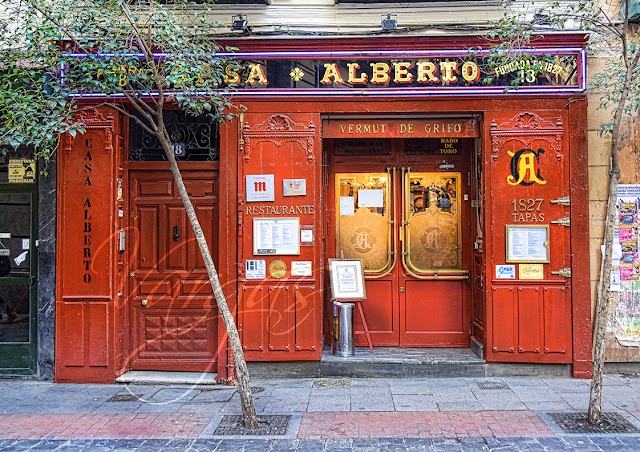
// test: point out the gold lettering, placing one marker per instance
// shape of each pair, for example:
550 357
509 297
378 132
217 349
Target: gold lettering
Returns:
353 77
380 73
470 72
342 128
406 128
256 75
402 74
447 69
332 72
426 72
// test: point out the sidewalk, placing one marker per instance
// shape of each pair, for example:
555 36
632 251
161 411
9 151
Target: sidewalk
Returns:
325 414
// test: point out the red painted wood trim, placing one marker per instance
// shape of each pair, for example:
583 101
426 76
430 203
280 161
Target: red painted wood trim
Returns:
228 229
263 43
580 266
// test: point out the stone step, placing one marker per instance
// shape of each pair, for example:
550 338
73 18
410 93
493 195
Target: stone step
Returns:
167 378
395 362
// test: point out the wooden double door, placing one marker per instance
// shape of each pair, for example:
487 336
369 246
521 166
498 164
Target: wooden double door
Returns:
407 216
172 311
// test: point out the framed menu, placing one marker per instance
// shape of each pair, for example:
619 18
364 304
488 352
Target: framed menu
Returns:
347 279
276 236
527 244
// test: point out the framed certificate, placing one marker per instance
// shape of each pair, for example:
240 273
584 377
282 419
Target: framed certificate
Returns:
527 244
347 279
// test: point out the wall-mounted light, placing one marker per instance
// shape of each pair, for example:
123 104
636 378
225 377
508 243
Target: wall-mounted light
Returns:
389 22
239 23
446 166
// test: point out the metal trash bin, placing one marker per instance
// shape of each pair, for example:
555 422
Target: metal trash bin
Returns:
343 329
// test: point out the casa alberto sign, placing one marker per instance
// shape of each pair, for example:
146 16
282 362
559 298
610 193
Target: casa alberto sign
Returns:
413 72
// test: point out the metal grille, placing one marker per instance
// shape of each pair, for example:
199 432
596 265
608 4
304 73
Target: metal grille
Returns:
332 383
197 138
269 425
124 398
492 385
578 423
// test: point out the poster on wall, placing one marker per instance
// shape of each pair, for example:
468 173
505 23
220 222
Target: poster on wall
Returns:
22 171
625 274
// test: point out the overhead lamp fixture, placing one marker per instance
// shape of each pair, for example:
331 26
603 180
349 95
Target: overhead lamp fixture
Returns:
239 22
389 22
446 166
541 18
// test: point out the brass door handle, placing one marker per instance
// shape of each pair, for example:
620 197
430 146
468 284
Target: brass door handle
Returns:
144 302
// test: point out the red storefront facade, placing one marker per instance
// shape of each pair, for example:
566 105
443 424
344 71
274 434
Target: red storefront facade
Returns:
467 207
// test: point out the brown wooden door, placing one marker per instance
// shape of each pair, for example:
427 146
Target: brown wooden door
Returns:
409 221
173 316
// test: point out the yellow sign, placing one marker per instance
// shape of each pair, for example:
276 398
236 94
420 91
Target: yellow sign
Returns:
277 268
530 271
22 171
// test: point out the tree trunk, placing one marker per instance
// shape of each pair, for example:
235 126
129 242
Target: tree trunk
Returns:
604 299
244 389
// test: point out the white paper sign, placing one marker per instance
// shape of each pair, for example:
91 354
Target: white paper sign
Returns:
505 271
256 269
371 198
25 244
260 187
300 268
20 258
306 236
276 236
347 207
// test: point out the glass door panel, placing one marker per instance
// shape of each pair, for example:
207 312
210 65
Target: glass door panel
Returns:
17 265
364 219
432 222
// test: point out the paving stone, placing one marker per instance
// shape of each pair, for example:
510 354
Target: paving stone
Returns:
323 403
581 443
414 402
372 402
365 443
535 394
289 383
502 405
211 407
554 444
284 445
453 394
459 406
280 408
311 445
170 395
548 406
159 407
